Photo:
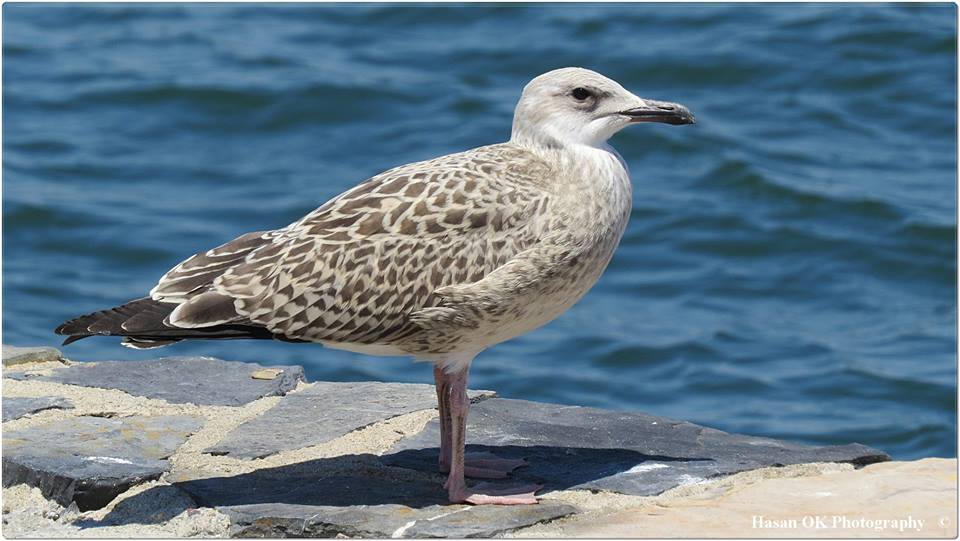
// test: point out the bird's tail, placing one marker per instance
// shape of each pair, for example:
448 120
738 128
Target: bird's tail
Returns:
124 320
143 323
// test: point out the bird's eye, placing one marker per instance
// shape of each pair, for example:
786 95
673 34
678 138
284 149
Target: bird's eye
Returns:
580 93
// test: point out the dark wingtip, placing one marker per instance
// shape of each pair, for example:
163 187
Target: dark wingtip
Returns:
74 338
72 326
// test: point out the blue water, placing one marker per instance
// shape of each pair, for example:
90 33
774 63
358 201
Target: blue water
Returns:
789 269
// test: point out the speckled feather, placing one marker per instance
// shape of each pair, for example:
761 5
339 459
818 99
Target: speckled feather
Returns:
357 269
437 259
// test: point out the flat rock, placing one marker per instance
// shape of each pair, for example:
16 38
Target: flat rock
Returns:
13 355
354 496
19 406
386 521
571 447
197 380
888 500
90 460
323 412
165 503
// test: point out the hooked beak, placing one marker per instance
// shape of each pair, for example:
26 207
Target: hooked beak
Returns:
660 111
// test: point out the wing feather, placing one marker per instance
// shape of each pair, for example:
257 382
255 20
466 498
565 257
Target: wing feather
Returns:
355 269
199 270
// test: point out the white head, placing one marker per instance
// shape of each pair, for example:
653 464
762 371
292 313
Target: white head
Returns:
576 106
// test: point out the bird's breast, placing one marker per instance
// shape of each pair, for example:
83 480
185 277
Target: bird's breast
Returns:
596 195
592 213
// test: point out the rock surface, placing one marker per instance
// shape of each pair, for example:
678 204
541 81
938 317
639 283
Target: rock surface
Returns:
892 499
571 447
354 496
323 412
386 521
327 465
13 355
17 407
197 380
27 514
90 460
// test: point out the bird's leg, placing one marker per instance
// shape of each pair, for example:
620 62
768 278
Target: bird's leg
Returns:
443 400
481 465
456 484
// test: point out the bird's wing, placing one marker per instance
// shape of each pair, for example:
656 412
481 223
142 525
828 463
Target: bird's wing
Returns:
197 272
355 269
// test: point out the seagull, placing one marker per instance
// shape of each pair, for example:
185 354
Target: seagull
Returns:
437 260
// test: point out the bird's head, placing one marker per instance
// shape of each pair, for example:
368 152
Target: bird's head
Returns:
578 106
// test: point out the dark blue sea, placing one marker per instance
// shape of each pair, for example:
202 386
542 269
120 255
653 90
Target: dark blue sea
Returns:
789 269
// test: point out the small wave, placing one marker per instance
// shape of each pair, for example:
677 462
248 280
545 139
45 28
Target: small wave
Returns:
17 51
902 440
259 61
74 170
868 384
41 146
941 235
249 107
470 106
205 97
694 222
97 14
639 355
31 217
715 72
400 16
939 46
815 256
710 380
763 243
310 105
877 36
739 177
858 81
115 254
589 28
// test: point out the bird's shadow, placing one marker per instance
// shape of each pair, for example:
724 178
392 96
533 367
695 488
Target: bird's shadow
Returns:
408 478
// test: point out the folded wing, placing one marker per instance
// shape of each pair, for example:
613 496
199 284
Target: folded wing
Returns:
354 270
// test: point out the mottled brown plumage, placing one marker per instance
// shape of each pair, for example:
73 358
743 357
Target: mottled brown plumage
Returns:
437 259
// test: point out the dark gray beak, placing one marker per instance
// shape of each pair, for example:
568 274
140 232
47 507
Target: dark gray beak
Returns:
660 111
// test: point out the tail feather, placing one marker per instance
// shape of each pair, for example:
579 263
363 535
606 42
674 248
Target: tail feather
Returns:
109 321
142 323
138 343
71 339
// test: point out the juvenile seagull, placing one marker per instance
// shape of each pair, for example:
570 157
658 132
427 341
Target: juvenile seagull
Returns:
438 259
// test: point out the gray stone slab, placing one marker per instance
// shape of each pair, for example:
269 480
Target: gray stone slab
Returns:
354 496
163 503
90 460
18 406
13 355
199 380
629 453
388 521
323 412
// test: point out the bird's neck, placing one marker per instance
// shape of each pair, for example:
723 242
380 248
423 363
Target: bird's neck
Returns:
593 183
578 162
556 135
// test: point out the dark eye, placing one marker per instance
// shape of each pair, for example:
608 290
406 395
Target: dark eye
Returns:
580 93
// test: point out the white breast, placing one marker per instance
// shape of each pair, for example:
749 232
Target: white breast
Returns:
594 204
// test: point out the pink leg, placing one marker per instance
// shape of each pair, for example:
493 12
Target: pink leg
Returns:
456 484
442 382
482 465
